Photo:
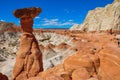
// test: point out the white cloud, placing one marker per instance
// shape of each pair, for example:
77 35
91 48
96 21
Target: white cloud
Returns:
51 22
37 17
56 22
2 20
70 20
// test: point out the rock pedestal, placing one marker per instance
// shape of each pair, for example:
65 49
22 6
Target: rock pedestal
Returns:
29 57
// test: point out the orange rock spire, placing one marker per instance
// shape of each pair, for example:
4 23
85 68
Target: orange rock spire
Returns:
29 57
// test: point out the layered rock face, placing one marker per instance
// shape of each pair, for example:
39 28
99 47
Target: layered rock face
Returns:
101 19
29 57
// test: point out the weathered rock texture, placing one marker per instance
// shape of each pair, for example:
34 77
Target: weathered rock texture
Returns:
97 58
102 18
3 77
59 43
77 53
29 57
9 27
25 12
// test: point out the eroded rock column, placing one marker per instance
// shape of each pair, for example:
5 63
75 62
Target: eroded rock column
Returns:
29 57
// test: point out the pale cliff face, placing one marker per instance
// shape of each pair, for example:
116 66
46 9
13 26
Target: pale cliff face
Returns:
117 0
102 18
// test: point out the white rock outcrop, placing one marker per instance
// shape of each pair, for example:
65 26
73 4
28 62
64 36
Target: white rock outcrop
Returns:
102 18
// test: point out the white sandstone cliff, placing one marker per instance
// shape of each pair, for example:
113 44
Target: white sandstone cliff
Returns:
102 18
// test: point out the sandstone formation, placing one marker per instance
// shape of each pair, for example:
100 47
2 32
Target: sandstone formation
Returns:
94 51
9 44
80 74
109 63
25 12
81 54
29 57
67 55
101 18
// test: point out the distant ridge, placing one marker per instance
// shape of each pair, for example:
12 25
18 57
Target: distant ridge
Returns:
10 27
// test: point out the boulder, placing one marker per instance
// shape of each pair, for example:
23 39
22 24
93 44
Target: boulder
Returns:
3 77
109 63
80 74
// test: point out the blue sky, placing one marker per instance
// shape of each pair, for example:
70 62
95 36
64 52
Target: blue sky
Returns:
55 13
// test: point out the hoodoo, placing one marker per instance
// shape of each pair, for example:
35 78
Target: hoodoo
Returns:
29 57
